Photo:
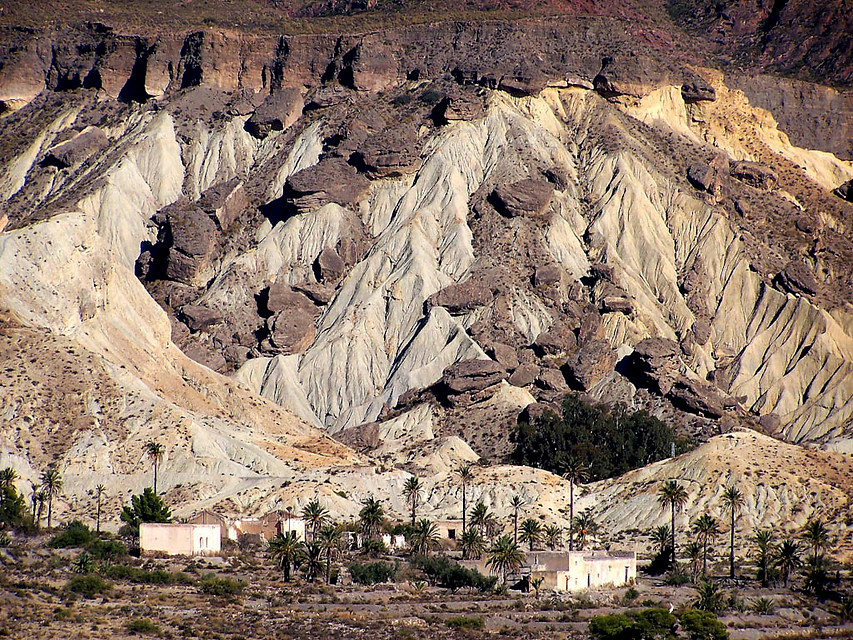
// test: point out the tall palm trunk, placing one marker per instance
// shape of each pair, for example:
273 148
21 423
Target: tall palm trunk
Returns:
464 507
98 517
49 509
704 556
571 516
673 534
155 476
732 548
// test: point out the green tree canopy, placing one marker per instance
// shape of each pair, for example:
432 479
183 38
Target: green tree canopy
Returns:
634 439
144 507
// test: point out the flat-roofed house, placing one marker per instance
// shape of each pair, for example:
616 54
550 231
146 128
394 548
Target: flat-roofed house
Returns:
577 570
180 539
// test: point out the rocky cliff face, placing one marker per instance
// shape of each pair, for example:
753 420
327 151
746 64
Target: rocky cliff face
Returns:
408 240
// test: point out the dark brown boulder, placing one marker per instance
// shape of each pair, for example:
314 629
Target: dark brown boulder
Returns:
558 340
292 328
552 380
697 397
280 110
503 354
529 197
199 318
524 375
591 363
78 149
194 242
754 174
472 375
617 304
655 363
698 90
320 294
329 266
845 191
392 151
225 202
533 412
462 298
330 180
797 278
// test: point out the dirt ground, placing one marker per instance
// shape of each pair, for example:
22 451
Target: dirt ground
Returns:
36 603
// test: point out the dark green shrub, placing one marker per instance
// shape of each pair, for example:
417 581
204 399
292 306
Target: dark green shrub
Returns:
614 627
371 572
655 623
464 622
141 576
634 439
214 586
106 550
89 585
702 625
446 573
676 579
73 534
141 625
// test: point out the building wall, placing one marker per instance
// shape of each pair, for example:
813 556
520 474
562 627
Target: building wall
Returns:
449 529
590 571
180 539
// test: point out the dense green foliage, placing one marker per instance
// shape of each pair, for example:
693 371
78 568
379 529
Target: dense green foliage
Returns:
371 572
214 586
106 550
446 573
647 624
89 585
72 534
13 508
465 622
702 625
144 507
633 438
141 625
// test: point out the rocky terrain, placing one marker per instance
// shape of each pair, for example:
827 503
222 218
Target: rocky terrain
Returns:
339 258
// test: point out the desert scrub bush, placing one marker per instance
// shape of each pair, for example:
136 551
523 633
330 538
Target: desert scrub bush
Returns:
212 585
629 596
73 534
676 579
451 575
646 624
143 626
702 625
763 606
367 573
465 622
88 586
141 576
106 550
709 597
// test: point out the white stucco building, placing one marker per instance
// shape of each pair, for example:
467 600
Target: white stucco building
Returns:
180 539
577 570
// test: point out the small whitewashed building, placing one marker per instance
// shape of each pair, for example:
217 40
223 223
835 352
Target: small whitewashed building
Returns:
449 529
176 539
577 570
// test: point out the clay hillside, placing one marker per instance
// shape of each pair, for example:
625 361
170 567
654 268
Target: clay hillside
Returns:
313 248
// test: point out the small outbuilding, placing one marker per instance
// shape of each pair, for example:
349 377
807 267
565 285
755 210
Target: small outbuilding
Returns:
178 539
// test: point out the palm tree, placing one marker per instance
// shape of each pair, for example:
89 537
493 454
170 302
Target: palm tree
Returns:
584 526
42 498
287 550
99 493
816 535
733 499
762 540
329 539
575 471
553 536
7 477
424 537
516 503
674 496
51 483
531 532
505 556
315 514
662 537
706 528
371 517
472 544
412 492
465 475
693 551
484 520
313 560
155 451
787 559
36 490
